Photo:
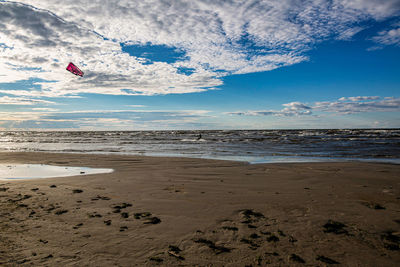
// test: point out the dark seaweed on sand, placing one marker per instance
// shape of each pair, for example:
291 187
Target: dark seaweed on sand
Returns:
272 253
326 260
281 233
297 258
254 235
211 244
23 261
231 228
98 197
59 212
265 232
175 249
77 226
391 241
125 205
292 239
372 205
77 191
335 227
139 215
156 259
153 220
248 213
94 215
251 243
117 208
20 198
273 238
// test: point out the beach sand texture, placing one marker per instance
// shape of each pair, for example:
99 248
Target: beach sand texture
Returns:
194 212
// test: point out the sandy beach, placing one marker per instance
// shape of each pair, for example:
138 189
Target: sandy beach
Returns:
194 212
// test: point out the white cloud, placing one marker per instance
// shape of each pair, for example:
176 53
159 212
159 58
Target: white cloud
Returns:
44 118
357 104
5 100
388 37
39 38
296 106
44 109
290 110
136 106
377 9
359 98
349 33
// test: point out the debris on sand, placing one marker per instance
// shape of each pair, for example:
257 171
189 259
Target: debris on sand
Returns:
249 213
140 215
249 242
94 215
326 260
230 228
156 259
59 212
297 258
48 257
373 205
153 220
118 208
77 226
211 244
174 252
335 227
273 238
391 240
98 197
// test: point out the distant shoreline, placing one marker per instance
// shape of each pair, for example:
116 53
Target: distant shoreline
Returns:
198 130
271 161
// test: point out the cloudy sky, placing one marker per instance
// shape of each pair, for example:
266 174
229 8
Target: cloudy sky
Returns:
199 64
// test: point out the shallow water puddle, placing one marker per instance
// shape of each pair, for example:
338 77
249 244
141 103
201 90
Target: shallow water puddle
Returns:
37 171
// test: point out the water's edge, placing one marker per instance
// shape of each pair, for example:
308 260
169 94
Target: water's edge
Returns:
254 146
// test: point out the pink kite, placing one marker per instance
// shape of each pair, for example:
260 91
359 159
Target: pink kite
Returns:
74 69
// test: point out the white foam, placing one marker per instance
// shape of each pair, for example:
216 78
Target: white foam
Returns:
38 171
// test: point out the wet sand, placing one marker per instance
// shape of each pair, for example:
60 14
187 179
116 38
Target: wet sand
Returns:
193 212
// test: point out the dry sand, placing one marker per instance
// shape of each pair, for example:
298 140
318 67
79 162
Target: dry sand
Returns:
193 212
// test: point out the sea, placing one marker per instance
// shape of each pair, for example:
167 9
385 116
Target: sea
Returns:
253 146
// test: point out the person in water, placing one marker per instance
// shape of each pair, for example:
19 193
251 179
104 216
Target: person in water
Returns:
199 137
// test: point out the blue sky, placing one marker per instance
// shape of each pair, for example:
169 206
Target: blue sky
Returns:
200 64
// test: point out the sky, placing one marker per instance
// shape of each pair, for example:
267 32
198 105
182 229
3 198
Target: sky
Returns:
199 64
